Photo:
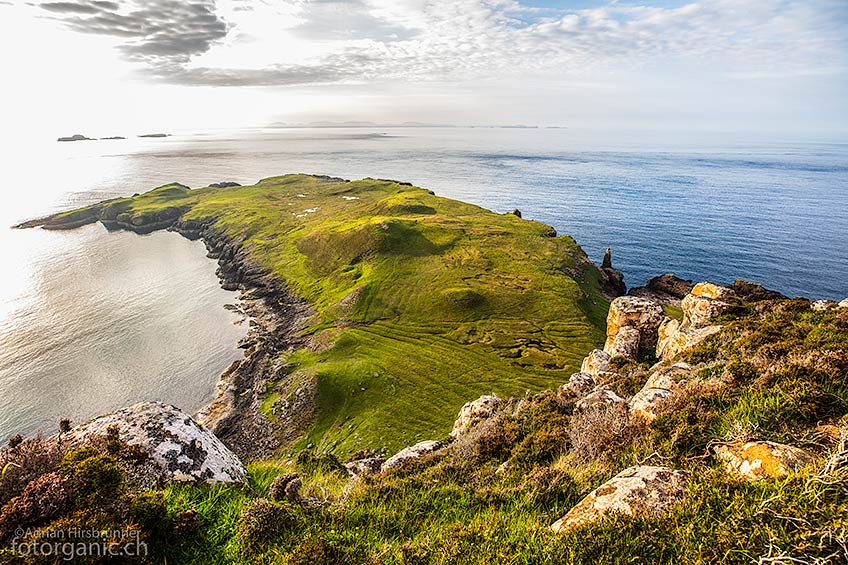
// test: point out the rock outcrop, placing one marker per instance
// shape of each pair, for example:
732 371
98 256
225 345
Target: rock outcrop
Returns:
662 383
675 338
822 305
665 289
754 292
757 460
598 361
636 491
417 451
578 385
645 316
612 280
706 302
178 448
844 303
474 412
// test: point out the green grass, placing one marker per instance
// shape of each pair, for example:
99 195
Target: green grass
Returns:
422 303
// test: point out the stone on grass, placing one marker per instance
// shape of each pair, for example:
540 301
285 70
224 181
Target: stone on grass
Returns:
757 460
472 413
417 451
636 491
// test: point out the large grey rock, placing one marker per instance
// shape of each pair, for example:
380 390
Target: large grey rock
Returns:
417 451
757 460
474 412
636 491
640 313
178 447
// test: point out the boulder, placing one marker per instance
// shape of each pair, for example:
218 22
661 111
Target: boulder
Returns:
417 451
579 385
599 398
844 303
643 405
178 448
713 291
642 314
636 491
822 305
624 344
674 338
473 412
758 460
596 362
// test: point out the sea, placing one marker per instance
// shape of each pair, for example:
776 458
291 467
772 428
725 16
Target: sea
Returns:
91 320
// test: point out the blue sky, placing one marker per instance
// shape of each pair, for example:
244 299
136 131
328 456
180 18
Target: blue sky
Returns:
754 65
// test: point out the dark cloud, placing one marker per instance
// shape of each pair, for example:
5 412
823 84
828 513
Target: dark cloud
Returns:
159 32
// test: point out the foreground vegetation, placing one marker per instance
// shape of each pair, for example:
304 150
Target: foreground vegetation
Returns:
777 371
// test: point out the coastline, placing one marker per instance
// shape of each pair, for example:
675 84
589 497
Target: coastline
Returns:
275 316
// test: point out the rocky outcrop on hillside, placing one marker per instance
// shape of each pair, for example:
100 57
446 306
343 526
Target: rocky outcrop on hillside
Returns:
758 460
632 325
166 442
612 280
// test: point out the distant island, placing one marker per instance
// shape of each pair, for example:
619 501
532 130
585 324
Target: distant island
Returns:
76 137
155 135
368 124
111 138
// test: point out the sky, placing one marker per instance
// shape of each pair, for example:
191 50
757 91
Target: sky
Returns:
117 67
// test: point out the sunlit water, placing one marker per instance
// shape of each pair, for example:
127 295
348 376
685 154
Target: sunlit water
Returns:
91 320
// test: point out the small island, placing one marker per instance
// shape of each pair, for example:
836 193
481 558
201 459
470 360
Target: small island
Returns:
76 137
155 135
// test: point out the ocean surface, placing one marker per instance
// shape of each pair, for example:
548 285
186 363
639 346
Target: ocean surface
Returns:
91 321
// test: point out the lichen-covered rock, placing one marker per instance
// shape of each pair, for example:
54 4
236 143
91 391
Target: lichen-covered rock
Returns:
669 377
822 305
178 447
706 302
636 491
598 361
644 403
714 291
579 385
625 343
417 451
757 460
674 338
474 412
640 313
598 398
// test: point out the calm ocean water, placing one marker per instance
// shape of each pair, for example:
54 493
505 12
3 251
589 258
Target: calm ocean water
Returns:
91 320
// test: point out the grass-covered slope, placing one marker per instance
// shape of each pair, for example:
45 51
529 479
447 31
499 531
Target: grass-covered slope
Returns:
422 302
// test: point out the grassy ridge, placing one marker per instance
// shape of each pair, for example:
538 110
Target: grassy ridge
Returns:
423 303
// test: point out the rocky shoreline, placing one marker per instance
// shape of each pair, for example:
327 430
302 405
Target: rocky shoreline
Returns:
275 315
